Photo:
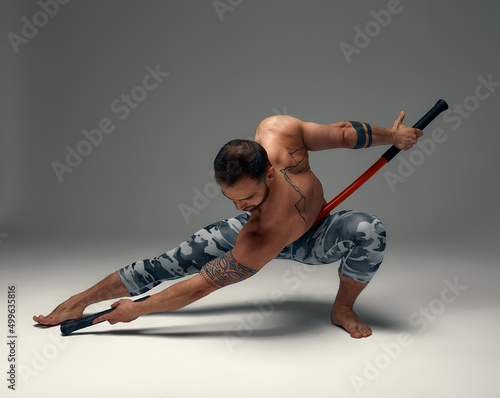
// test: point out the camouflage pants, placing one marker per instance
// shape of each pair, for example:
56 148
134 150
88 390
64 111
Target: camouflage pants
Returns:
356 239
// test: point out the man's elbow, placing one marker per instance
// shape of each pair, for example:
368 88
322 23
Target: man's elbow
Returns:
347 134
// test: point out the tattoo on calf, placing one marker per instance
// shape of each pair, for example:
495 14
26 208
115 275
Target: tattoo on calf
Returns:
224 271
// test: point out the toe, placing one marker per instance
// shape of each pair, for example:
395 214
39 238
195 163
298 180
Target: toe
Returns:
359 332
366 332
355 333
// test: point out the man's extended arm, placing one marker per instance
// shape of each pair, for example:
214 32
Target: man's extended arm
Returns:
224 271
318 137
220 272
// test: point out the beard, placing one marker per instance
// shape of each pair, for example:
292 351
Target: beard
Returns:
266 194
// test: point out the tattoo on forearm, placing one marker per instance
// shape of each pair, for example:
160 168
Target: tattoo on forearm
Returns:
301 204
224 271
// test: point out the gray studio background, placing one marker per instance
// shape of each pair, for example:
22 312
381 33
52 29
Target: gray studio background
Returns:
228 71
225 76
230 64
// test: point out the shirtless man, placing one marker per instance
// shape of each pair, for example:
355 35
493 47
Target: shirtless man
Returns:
271 181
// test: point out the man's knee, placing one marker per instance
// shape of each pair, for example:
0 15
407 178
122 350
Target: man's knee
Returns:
363 228
368 235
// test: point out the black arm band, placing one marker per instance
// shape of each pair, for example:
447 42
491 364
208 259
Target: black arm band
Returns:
361 135
369 132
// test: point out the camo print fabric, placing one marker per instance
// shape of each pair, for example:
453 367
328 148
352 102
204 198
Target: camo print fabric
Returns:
355 239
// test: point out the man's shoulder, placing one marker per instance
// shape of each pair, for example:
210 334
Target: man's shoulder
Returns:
278 123
280 136
279 129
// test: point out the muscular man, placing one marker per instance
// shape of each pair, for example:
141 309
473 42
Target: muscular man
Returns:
271 181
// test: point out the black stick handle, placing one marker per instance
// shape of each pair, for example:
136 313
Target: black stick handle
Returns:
440 106
69 327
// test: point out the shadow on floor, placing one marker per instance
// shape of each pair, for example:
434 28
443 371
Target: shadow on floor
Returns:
292 317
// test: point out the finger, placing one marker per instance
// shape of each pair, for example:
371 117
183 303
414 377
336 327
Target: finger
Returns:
399 119
115 304
419 133
102 318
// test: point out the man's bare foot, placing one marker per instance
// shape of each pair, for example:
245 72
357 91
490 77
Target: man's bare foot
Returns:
64 312
71 309
346 318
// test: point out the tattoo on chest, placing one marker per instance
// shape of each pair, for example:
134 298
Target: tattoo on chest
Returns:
298 157
224 271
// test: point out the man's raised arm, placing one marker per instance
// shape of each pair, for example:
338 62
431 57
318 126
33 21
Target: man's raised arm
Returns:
358 135
355 135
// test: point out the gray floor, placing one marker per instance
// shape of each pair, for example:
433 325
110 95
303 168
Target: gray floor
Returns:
269 336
